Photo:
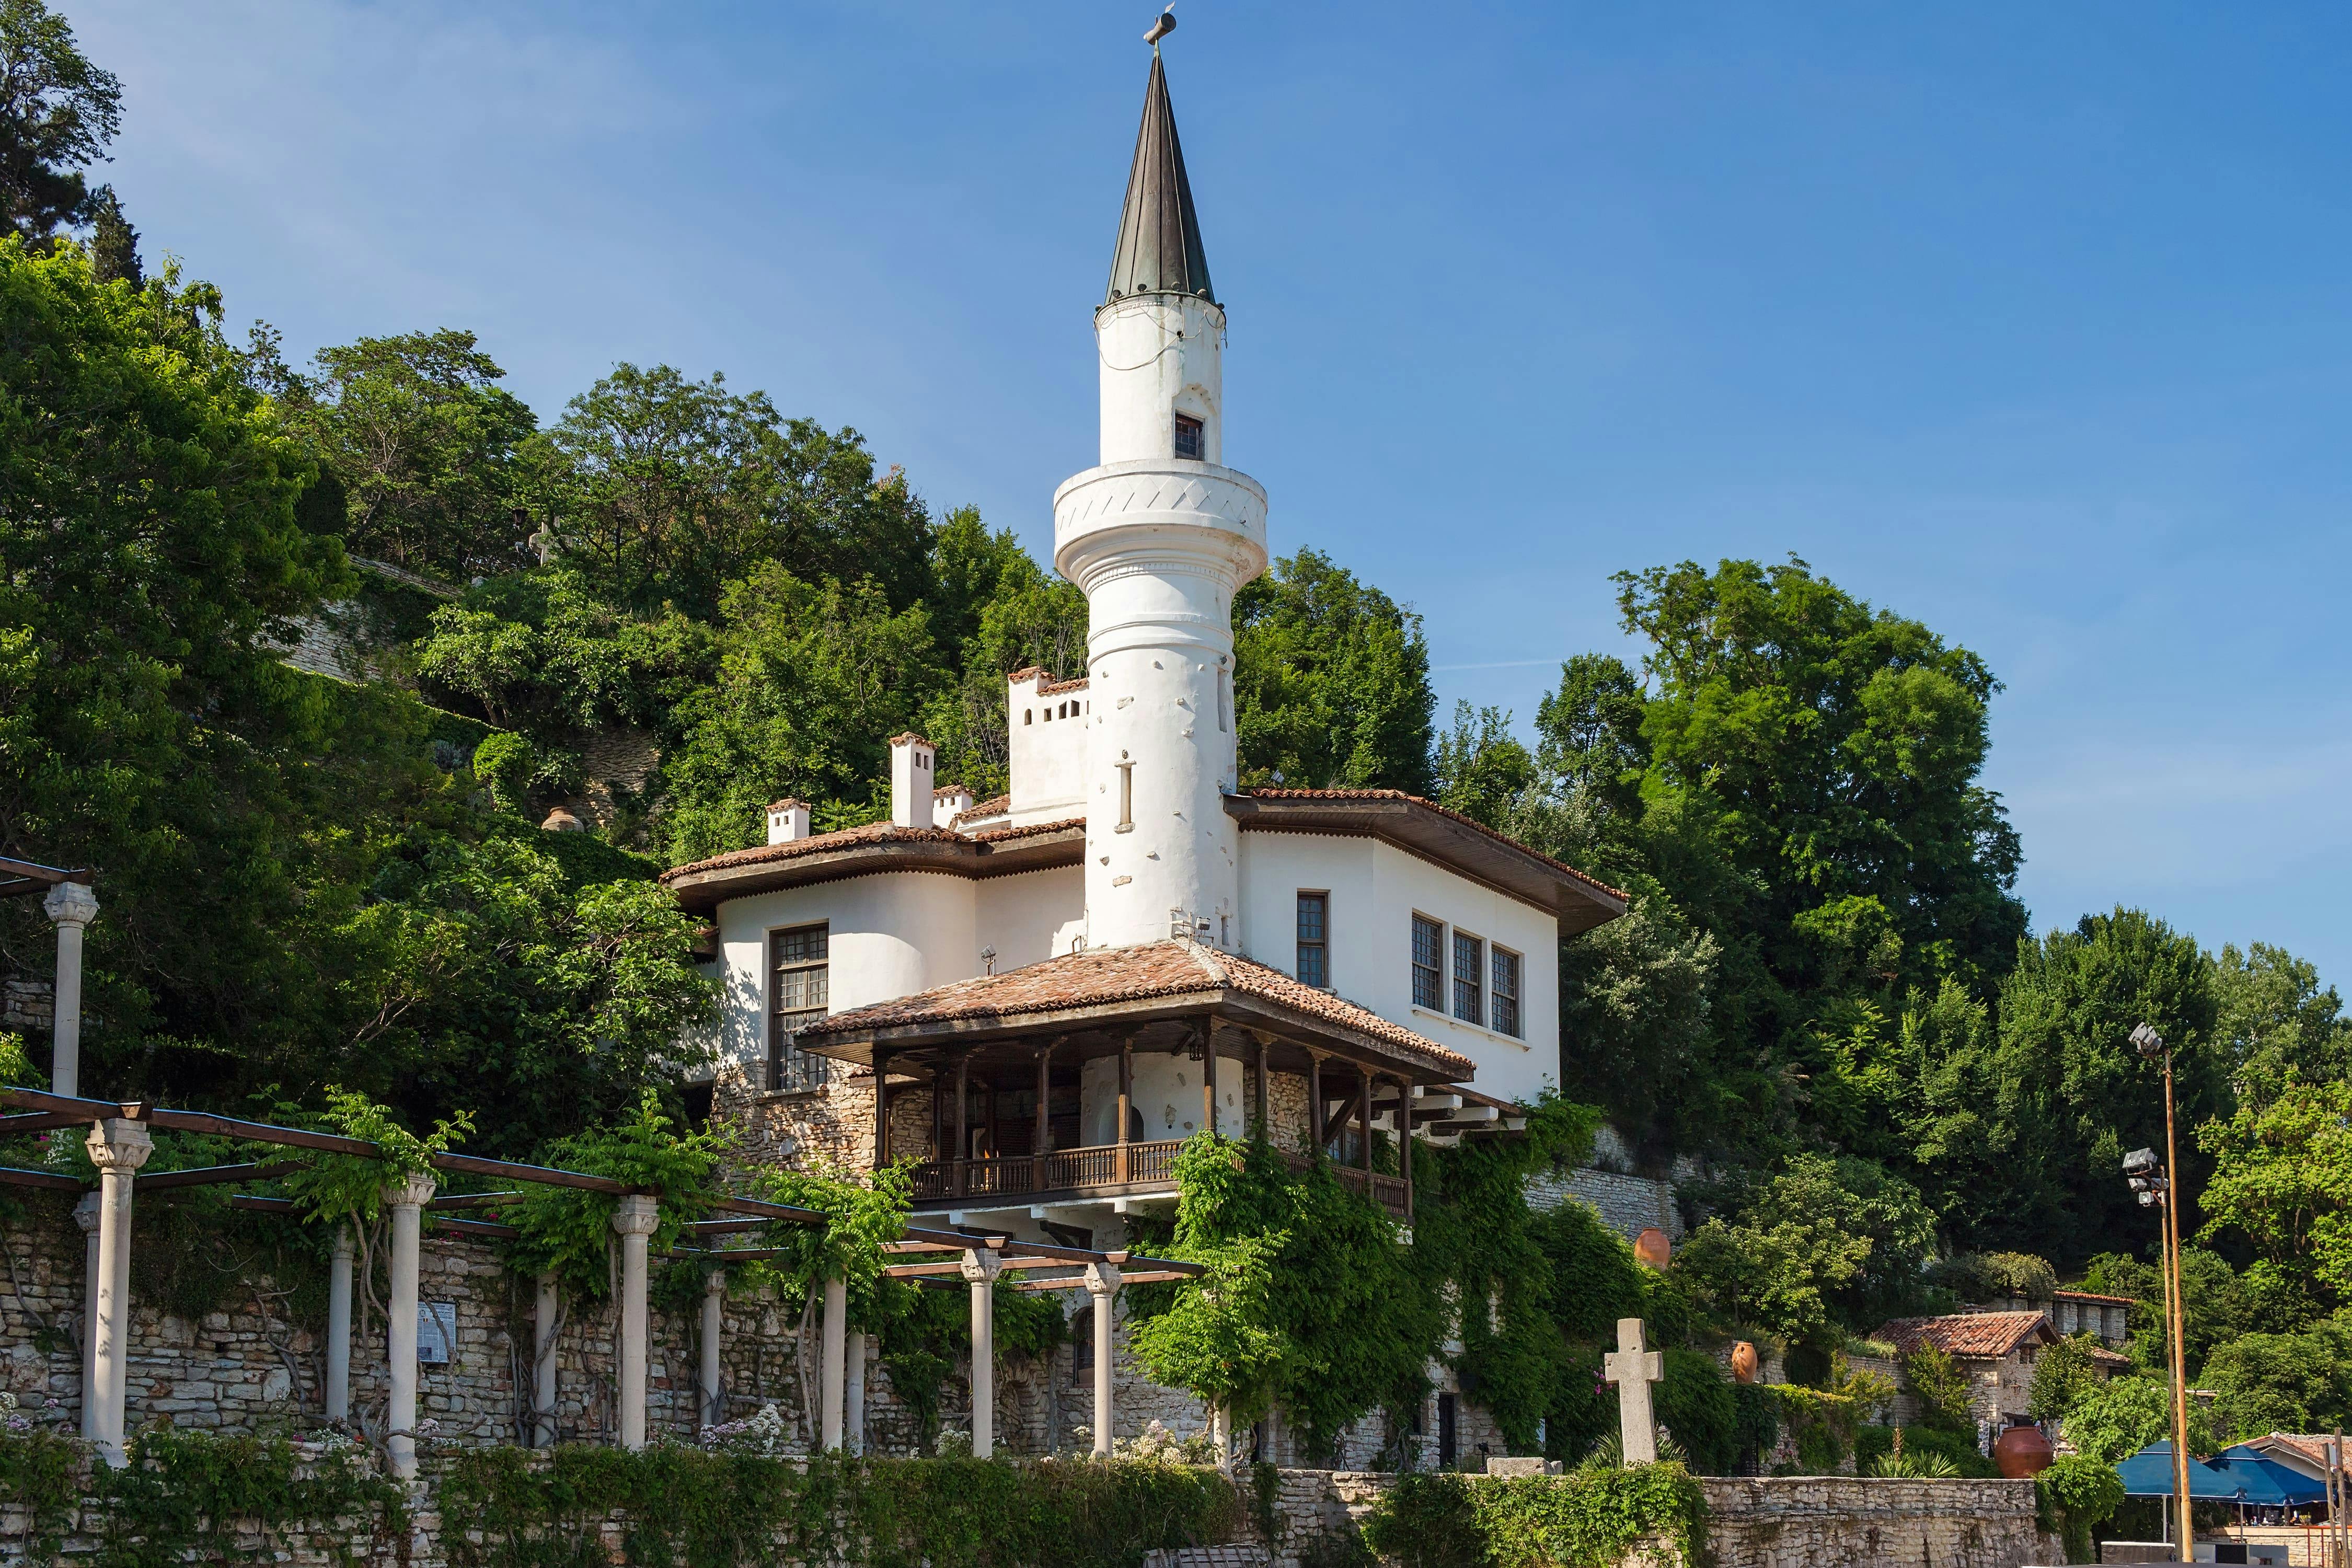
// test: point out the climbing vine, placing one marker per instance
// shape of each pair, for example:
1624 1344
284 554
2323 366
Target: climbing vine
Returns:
1590 1518
188 1496
676 1507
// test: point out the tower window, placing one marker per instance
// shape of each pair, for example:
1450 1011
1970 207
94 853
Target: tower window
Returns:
1189 441
1126 798
1315 940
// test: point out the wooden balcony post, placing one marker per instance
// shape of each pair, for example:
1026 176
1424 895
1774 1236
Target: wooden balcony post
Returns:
1126 1095
1208 1077
962 1155
1405 1136
1314 1104
1364 1121
1261 1129
881 1110
1042 1140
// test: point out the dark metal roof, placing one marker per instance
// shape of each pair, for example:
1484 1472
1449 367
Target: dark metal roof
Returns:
1158 234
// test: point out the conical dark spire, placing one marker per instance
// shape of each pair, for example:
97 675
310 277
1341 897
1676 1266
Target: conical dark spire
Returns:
1158 236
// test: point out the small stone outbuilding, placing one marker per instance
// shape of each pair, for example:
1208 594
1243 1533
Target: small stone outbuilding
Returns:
1997 1350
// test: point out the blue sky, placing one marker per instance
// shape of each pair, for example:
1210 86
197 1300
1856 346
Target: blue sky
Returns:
2029 321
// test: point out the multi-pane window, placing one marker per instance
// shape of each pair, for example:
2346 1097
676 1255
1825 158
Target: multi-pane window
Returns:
1428 965
1189 442
1314 938
1469 988
797 998
1506 1001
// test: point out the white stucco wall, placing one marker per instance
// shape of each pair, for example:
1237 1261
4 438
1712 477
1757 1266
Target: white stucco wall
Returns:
1047 754
1019 916
1375 892
1167 1094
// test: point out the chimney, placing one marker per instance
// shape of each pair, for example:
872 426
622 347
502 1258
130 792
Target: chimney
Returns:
950 802
788 819
910 780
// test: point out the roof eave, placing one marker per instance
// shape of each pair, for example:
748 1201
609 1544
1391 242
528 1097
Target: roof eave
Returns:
702 892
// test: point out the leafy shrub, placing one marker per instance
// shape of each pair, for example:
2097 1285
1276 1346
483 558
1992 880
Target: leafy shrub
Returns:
2073 1495
1588 1518
1695 1403
2065 1374
1941 1388
1872 1443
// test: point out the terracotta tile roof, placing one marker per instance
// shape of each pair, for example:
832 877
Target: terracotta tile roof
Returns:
981 810
1469 822
850 837
1983 1335
1049 687
2113 1361
2095 1300
2309 1447
1105 976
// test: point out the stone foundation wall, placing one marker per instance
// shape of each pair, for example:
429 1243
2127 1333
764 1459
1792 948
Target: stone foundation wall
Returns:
1627 1205
1803 1521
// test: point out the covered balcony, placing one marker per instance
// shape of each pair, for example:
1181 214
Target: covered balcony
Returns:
1076 1081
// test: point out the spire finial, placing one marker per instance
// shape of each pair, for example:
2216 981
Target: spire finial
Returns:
1162 28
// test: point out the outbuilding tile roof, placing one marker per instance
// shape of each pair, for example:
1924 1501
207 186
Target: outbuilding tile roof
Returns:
870 833
1983 1335
1101 976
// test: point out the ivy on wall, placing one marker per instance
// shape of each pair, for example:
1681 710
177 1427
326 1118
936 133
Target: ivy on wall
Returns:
186 1495
1590 1518
678 1507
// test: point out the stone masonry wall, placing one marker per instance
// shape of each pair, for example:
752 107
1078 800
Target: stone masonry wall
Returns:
1804 1521
1627 1205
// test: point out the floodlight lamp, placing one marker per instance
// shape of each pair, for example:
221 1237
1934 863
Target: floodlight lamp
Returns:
2150 1043
2140 1163
2147 1200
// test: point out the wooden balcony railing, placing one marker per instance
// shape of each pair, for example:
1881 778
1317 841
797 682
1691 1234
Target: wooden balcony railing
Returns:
1064 1171
1097 1169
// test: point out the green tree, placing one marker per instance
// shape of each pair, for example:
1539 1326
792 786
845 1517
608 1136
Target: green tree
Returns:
663 491
1825 1242
58 112
814 678
2124 1415
1330 682
2275 1023
2063 1374
1941 1387
541 652
1481 769
2219 1306
429 447
2282 1179
113 243
2075 1096
1843 745
2283 1382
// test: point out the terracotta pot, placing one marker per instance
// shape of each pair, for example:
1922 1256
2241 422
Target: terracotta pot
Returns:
1743 1362
1652 1247
2021 1452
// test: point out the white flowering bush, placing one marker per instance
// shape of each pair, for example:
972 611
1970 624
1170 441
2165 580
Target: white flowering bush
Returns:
952 1445
1155 1444
768 1434
12 1418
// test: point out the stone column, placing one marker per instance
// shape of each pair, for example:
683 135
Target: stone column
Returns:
406 1203
118 1148
548 1323
634 1219
979 1270
85 1214
714 1322
1102 1284
832 1346
339 1327
72 907
852 1416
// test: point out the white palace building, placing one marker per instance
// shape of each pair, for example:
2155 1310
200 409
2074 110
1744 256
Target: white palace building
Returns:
1038 997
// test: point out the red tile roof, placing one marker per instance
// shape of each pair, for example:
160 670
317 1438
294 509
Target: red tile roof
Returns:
1425 805
2095 1300
981 810
1102 976
1983 1335
870 833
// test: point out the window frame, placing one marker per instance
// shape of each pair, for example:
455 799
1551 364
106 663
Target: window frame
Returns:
1470 993
788 1068
1516 999
1435 1002
1198 428
1320 944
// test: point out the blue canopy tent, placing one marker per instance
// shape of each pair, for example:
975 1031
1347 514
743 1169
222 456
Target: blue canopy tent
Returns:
2269 1483
2148 1473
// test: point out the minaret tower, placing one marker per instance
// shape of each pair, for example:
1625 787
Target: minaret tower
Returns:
1158 537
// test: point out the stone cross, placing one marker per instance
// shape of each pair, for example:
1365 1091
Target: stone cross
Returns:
1632 1368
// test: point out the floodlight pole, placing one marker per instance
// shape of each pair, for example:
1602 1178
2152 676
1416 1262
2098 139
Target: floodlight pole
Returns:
2179 1318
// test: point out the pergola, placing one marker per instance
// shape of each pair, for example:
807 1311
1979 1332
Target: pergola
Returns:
120 1139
